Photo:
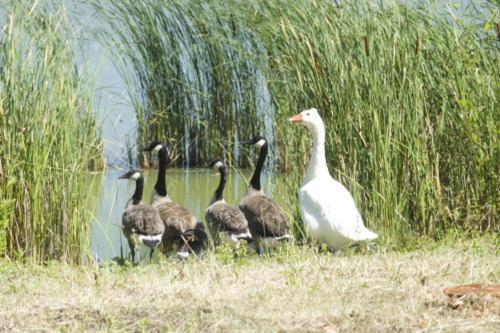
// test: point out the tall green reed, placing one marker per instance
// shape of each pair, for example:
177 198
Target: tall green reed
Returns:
191 74
48 138
407 93
408 102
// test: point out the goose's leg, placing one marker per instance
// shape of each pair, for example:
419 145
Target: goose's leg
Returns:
151 254
258 246
132 253
250 247
136 250
132 245
167 245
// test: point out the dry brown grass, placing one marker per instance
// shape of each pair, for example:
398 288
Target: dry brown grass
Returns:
296 289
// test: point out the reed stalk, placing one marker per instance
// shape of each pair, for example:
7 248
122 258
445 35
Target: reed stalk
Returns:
48 138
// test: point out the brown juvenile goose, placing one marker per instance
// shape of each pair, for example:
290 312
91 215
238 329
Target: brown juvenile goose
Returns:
176 218
225 222
266 220
139 221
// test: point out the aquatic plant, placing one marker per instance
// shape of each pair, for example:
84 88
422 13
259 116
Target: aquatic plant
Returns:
191 75
407 92
408 98
48 137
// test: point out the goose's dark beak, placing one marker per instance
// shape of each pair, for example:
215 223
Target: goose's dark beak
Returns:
125 176
246 142
152 146
149 148
296 119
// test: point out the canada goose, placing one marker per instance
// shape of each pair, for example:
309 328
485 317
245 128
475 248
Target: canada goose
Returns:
328 209
139 220
266 220
225 222
176 218
192 241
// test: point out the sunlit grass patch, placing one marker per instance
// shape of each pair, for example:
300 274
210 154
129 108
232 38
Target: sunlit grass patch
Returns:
295 288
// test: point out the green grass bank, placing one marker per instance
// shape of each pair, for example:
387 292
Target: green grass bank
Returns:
295 289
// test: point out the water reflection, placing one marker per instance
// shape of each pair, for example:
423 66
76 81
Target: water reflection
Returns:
192 188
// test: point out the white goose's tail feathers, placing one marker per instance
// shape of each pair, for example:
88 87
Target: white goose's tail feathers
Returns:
366 235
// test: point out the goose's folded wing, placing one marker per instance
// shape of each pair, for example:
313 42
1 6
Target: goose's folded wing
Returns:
227 218
265 218
331 205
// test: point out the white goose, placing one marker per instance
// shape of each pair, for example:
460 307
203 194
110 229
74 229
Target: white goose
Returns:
328 209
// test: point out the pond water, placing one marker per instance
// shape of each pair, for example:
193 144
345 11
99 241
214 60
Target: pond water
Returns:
191 188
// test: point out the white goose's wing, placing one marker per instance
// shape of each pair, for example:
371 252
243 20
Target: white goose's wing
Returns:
333 208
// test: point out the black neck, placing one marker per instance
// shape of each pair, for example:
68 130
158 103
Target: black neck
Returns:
255 181
161 186
218 195
139 188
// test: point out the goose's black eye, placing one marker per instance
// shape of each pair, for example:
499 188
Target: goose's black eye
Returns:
308 114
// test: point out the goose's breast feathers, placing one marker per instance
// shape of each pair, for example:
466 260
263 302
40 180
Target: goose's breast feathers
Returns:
175 217
328 208
265 218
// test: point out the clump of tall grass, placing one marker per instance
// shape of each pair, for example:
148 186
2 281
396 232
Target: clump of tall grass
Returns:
407 93
48 137
191 74
408 97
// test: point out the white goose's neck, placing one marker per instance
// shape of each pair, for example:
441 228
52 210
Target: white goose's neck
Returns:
317 164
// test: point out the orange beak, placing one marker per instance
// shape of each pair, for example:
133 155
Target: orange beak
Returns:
296 119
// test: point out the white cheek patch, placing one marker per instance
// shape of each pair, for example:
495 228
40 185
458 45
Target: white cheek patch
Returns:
136 175
218 165
158 147
260 143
